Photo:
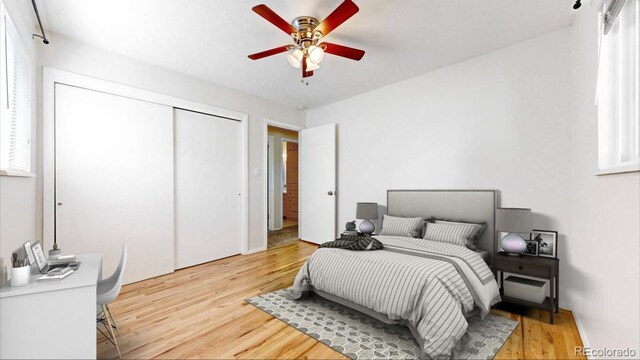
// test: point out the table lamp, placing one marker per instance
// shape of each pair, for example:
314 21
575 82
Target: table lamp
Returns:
366 211
515 221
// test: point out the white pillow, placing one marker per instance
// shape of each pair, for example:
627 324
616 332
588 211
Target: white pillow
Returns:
399 226
458 234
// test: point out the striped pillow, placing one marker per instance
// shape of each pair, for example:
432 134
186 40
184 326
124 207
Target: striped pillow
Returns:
399 226
478 230
450 233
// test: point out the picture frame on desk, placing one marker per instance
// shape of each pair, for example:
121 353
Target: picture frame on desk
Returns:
547 243
29 253
41 260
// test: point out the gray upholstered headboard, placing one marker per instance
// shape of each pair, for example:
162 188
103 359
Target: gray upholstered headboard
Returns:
469 205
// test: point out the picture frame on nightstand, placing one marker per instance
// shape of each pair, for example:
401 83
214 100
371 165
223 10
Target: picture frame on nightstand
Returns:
532 248
547 243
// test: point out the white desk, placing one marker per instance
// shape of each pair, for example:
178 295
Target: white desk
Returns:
30 315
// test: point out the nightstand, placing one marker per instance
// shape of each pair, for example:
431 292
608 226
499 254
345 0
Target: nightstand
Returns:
538 267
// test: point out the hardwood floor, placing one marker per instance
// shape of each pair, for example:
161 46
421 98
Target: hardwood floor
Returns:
199 312
289 223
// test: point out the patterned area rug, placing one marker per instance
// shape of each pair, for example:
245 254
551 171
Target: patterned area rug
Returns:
359 336
282 236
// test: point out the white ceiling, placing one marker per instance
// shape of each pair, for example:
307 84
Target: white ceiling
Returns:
210 39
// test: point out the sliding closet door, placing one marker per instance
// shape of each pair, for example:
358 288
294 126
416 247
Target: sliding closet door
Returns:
208 185
114 180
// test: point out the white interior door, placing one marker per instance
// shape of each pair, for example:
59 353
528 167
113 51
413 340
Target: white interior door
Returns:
208 186
114 180
317 174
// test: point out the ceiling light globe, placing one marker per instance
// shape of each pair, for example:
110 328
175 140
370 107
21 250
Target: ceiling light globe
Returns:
295 58
311 66
316 54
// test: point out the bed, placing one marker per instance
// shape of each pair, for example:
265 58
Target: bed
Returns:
430 287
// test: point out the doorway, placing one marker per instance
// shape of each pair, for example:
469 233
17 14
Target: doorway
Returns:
282 186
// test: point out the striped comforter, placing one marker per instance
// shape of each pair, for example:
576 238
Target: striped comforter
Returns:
430 286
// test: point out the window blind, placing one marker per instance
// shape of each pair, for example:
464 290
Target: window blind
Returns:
15 125
618 86
611 10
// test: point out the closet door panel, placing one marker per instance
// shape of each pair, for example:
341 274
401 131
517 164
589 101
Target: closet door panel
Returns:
114 180
208 185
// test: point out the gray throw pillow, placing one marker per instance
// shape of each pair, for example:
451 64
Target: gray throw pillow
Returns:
399 226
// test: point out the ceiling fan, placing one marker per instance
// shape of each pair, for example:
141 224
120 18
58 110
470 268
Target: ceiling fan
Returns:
307 32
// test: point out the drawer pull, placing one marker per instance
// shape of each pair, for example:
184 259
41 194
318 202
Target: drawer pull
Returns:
519 267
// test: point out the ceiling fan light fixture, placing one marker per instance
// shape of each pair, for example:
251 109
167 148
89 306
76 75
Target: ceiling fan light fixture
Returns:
308 50
311 66
316 54
295 58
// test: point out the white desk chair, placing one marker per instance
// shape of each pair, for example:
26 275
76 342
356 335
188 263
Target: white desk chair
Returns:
108 290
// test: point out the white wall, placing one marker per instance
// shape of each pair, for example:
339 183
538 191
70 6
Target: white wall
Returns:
18 194
603 266
69 55
497 121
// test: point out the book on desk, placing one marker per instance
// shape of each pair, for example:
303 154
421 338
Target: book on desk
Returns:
56 274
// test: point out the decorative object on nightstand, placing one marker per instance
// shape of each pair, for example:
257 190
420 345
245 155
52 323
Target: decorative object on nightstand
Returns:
350 226
513 221
350 229
366 211
537 267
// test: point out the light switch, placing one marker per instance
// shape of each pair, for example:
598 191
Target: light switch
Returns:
256 172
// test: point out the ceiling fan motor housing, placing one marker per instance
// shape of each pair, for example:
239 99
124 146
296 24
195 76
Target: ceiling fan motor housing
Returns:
305 35
307 32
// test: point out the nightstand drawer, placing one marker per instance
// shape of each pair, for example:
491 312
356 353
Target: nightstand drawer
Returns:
523 269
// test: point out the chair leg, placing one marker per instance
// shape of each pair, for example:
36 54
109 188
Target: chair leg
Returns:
113 321
110 328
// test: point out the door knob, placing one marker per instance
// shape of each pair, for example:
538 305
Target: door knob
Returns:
330 193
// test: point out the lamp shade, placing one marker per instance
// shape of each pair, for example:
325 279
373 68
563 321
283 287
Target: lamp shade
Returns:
367 210
311 66
295 58
316 54
513 220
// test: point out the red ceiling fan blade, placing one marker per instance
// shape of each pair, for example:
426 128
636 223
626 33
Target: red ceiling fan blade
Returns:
344 51
343 12
264 54
269 15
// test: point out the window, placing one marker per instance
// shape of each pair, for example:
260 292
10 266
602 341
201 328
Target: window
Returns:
15 93
618 92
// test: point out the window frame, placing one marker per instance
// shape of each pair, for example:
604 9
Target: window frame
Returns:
6 21
610 122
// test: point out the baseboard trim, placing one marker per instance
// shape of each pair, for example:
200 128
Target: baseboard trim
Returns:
310 242
581 330
256 250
